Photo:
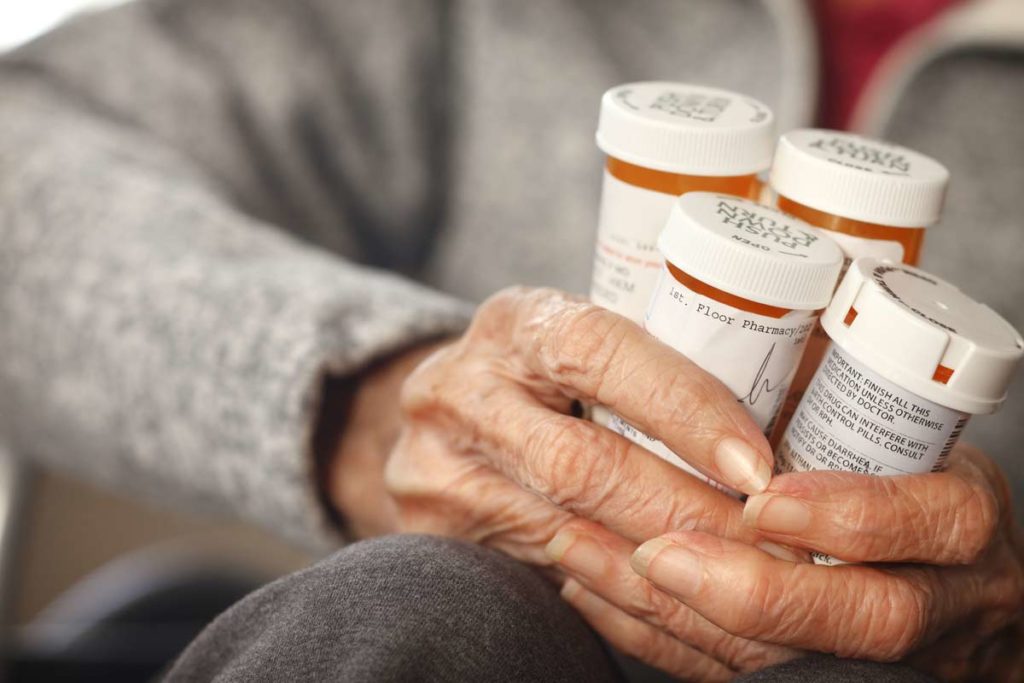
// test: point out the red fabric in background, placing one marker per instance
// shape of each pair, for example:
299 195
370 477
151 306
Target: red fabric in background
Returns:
854 35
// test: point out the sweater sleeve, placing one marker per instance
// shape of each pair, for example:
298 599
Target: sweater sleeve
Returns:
165 319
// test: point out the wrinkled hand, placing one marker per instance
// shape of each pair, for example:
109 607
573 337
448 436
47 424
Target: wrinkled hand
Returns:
955 611
489 451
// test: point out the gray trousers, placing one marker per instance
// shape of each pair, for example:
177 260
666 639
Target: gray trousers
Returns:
423 608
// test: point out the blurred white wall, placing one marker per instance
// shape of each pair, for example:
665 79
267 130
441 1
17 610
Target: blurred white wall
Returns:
23 20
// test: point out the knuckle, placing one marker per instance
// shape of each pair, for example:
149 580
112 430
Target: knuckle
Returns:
403 472
657 607
502 311
885 524
746 655
425 388
1000 592
869 520
637 641
754 616
1009 599
567 462
552 457
687 395
693 388
739 653
896 625
578 342
662 651
975 523
453 392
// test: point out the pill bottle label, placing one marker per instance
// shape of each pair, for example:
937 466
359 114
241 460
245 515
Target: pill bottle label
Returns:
852 420
626 258
853 248
755 356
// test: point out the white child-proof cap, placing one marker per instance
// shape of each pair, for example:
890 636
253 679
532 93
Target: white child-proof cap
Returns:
751 251
687 129
860 178
924 335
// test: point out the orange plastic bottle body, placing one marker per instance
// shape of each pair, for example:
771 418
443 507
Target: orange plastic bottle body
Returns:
911 239
676 184
635 202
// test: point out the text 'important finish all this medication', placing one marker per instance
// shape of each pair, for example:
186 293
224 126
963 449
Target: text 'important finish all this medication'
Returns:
875 199
738 294
911 358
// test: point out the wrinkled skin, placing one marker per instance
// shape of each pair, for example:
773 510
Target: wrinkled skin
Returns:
483 445
955 612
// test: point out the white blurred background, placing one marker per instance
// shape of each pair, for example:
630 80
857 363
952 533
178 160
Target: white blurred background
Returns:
23 20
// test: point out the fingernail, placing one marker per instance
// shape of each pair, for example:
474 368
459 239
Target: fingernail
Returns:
779 552
778 514
742 466
577 553
570 588
557 546
668 565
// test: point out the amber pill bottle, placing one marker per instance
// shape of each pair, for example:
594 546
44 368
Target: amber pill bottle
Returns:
663 140
739 294
875 199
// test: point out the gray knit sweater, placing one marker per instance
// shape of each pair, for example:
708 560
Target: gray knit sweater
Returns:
208 205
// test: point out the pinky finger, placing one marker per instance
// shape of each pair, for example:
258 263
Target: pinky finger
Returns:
640 640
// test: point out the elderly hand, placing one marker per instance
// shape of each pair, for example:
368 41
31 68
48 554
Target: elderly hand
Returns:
489 451
952 605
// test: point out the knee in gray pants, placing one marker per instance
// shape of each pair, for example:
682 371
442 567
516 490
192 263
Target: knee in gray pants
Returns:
401 608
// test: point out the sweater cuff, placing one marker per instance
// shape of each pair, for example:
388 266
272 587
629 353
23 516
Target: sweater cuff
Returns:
349 335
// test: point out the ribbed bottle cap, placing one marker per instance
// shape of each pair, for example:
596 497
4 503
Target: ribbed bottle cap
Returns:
924 335
687 129
860 178
752 251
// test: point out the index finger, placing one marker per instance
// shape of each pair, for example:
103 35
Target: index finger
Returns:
592 354
850 610
938 518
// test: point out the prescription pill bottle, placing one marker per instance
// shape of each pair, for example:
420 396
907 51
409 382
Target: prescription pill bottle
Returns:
911 358
874 198
738 294
663 140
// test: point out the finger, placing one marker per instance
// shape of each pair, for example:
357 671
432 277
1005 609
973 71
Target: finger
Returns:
592 354
642 641
940 518
437 491
597 474
573 463
599 560
851 610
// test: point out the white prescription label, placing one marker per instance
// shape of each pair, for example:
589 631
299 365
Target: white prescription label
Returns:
755 356
853 248
626 258
853 420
